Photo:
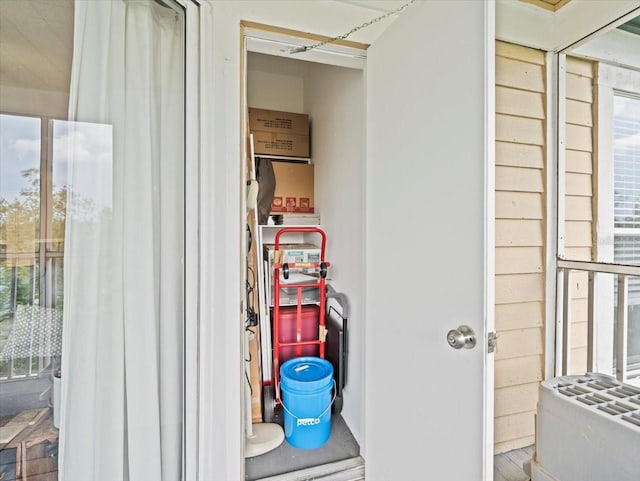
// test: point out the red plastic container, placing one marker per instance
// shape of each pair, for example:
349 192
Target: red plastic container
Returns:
289 332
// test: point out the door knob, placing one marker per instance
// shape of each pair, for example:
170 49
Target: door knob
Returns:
461 337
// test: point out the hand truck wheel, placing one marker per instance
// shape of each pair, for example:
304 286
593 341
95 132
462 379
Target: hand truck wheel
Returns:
285 270
269 403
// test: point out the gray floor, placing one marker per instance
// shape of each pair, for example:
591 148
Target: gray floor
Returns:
341 445
508 466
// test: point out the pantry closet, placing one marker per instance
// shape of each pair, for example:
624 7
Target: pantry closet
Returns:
331 92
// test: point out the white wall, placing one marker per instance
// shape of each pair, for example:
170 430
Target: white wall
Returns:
275 83
334 98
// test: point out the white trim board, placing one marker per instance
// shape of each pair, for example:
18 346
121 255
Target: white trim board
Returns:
531 26
280 45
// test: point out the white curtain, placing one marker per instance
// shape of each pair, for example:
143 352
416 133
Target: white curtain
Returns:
122 359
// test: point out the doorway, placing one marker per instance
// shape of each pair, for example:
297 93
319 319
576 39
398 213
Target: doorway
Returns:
332 95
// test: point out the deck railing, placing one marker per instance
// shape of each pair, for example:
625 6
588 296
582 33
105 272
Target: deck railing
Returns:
31 291
608 301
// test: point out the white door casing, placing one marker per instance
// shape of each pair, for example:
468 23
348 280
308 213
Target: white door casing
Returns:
429 243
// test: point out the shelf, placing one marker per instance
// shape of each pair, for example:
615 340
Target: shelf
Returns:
294 226
303 160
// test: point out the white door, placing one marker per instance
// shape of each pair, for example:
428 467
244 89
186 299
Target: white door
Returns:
429 243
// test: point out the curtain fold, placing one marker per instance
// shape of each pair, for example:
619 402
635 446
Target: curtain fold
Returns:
123 309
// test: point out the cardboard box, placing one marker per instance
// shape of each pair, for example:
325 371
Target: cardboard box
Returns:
280 144
255 375
278 122
292 253
294 188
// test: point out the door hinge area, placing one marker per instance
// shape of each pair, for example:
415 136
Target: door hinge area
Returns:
492 341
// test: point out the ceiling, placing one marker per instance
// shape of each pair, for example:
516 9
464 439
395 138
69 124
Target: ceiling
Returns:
36 37
36 44
632 26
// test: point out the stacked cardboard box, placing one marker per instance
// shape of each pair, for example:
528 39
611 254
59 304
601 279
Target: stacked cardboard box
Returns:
294 188
279 133
292 253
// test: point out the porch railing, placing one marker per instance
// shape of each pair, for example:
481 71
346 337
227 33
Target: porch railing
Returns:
608 294
30 315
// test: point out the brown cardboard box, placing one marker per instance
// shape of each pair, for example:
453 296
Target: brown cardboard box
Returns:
278 122
279 144
294 188
291 253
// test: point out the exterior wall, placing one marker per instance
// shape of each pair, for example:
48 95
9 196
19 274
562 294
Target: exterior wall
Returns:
521 227
578 199
520 234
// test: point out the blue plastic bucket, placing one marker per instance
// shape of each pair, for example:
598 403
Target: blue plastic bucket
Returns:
306 384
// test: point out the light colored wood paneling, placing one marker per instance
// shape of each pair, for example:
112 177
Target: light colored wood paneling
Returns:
507 446
578 162
577 234
518 52
579 138
552 5
523 103
578 361
519 370
514 232
519 155
578 253
519 342
579 88
578 66
579 113
519 256
516 399
519 316
514 426
578 289
579 305
519 179
518 260
578 199
578 208
520 75
519 288
578 336
519 205
510 128
578 184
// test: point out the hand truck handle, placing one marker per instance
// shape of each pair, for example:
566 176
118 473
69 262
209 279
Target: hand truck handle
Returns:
303 230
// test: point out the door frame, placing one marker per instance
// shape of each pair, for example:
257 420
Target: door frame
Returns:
194 129
490 242
224 447
271 40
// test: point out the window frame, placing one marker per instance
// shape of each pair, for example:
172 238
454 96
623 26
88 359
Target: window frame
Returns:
610 81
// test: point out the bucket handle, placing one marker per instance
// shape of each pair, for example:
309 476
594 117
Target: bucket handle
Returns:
335 391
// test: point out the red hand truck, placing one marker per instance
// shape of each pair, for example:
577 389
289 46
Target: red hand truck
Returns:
299 346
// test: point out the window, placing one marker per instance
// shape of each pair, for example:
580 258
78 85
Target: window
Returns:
32 211
599 275
626 230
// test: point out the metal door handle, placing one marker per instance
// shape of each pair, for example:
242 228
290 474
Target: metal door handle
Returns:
462 337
